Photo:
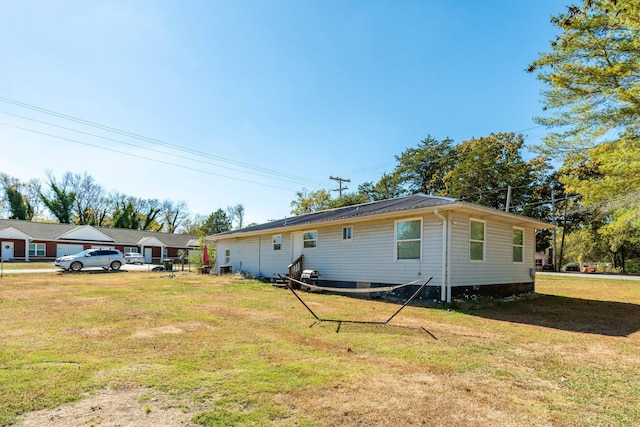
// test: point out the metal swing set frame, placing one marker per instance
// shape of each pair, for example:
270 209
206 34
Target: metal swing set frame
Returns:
319 320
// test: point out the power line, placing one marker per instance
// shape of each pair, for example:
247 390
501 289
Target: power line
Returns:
144 158
134 145
151 140
495 190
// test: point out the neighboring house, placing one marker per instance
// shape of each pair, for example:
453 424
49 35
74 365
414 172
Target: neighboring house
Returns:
465 247
39 241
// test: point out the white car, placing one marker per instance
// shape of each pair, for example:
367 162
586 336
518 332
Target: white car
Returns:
134 258
91 258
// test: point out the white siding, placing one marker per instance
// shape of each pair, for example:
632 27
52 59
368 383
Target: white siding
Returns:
368 257
255 255
498 266
275 262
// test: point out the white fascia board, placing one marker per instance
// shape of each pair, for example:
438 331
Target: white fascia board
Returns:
14 233
86 233
150 241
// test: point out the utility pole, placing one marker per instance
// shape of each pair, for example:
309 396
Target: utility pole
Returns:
340 188
508 204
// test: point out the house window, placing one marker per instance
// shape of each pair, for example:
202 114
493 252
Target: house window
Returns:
476 241
518 245
408 239
310 239
227 256
277 242
133 250
37 249
347 233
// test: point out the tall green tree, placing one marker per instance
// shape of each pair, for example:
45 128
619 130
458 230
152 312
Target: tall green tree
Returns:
485 169
592 75
126 216
29 191
607 178
321 200
59 201
19 207
388 187
592 98
348 199
610 173
423 169
310 202
217 222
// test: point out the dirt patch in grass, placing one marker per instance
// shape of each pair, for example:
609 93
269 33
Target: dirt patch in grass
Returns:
411 399
133 406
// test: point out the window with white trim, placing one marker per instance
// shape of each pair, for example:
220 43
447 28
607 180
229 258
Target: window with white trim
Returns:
277 242
131 250
227 256
347 233
409 239
476 240
310 239
518 244
37 249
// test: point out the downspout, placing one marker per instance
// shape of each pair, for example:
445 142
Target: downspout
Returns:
26 250
445 289
260 255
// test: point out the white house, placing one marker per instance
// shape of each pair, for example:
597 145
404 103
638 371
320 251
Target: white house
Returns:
466 248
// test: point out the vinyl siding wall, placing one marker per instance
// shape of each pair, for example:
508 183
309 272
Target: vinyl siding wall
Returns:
498 266
369 256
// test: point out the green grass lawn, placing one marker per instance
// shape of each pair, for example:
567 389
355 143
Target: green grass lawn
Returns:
27 265
243 353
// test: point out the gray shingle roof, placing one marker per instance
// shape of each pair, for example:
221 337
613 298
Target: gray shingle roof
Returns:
414 201
53 231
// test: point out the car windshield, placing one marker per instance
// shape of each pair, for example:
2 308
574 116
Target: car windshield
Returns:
84 253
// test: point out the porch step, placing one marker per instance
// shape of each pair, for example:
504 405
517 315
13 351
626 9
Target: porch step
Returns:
280 283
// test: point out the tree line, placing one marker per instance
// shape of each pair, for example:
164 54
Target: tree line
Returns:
490 171
78 199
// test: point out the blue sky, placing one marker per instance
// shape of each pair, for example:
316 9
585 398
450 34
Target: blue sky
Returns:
217 103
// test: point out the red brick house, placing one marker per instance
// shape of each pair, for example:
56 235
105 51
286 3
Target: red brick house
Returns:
39 241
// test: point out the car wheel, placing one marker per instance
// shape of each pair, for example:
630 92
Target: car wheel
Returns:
115 265
75 266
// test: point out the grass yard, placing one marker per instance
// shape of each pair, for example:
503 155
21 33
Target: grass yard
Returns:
8 266
231 352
